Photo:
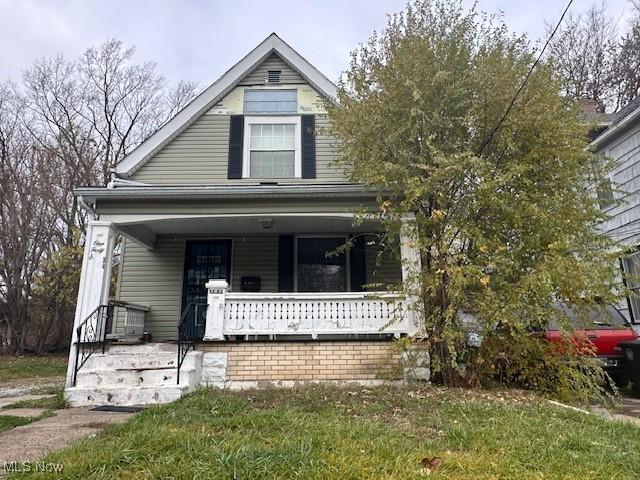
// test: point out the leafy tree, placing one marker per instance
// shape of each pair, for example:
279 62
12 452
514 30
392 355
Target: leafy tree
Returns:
505 227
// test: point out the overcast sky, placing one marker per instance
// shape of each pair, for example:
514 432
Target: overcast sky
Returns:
199 39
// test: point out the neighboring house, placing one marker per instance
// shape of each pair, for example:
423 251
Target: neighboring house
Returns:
619 197
229 212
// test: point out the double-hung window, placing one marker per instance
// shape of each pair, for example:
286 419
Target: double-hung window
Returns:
272 147
319 267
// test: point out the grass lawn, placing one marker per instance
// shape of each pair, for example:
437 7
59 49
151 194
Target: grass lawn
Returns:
356 433
7 422
14 368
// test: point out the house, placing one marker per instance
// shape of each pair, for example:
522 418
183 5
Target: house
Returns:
232 214
619 197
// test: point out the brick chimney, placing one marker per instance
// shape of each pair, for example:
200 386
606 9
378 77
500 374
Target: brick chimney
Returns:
591 106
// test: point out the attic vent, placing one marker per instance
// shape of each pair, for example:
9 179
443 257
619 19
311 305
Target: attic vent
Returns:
273 76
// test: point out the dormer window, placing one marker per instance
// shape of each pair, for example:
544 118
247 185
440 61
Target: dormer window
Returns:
273 76
272 147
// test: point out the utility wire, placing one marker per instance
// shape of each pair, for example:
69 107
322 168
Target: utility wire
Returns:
487 141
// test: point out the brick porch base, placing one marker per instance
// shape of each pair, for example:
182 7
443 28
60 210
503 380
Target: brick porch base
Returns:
363 361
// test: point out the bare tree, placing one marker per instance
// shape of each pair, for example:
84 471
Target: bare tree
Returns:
626 76
95 110
583 53
28 225
67 125
595 61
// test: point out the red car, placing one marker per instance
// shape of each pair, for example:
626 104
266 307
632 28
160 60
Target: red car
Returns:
604 332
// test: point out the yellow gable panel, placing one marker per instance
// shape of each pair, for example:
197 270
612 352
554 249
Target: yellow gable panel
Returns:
309 101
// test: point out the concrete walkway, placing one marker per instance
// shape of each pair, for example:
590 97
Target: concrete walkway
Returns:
23 412
627 411
4 401
24 386
33 441
631 407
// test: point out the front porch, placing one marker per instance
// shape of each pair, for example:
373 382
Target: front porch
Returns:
283 279
237 297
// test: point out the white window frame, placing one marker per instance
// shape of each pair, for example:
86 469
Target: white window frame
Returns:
271 119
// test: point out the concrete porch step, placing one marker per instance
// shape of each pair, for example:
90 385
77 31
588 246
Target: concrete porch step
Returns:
159 376
139 360
142 348
142 374
125 396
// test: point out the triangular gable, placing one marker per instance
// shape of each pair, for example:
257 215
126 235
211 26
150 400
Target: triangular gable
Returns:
212 94
258 76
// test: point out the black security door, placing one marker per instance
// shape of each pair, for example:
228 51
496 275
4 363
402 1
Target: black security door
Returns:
204 260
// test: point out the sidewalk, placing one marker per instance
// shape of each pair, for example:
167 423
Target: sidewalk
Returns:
627 411
33 441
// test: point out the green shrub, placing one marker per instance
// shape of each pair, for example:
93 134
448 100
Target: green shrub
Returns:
567 370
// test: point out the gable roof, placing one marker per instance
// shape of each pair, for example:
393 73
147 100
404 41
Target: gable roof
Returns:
212 94
629 113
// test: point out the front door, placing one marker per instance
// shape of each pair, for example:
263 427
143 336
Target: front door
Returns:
204 260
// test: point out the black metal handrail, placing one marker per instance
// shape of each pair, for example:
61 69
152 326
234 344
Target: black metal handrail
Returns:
91 335
187 334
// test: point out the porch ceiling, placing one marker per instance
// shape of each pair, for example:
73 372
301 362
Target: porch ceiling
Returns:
146 232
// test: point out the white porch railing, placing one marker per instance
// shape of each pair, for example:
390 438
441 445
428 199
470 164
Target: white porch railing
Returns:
301 313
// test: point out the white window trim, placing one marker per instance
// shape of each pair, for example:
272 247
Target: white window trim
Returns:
271 119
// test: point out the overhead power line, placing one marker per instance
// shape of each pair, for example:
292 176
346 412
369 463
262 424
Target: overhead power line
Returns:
489 138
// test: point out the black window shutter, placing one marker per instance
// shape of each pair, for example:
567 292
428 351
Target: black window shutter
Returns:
357 256
285 263
308 146
236 145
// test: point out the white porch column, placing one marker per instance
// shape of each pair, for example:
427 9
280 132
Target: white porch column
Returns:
216 291
95 279
411 266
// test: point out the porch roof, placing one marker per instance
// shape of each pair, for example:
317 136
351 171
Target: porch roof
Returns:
144 212
146 231
235 191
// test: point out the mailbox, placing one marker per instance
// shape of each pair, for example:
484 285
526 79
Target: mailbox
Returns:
250 284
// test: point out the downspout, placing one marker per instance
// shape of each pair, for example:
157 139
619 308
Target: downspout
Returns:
117 181
88 208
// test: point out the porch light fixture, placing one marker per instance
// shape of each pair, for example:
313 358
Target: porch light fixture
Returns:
266 222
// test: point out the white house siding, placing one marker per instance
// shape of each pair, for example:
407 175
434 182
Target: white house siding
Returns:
623 224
